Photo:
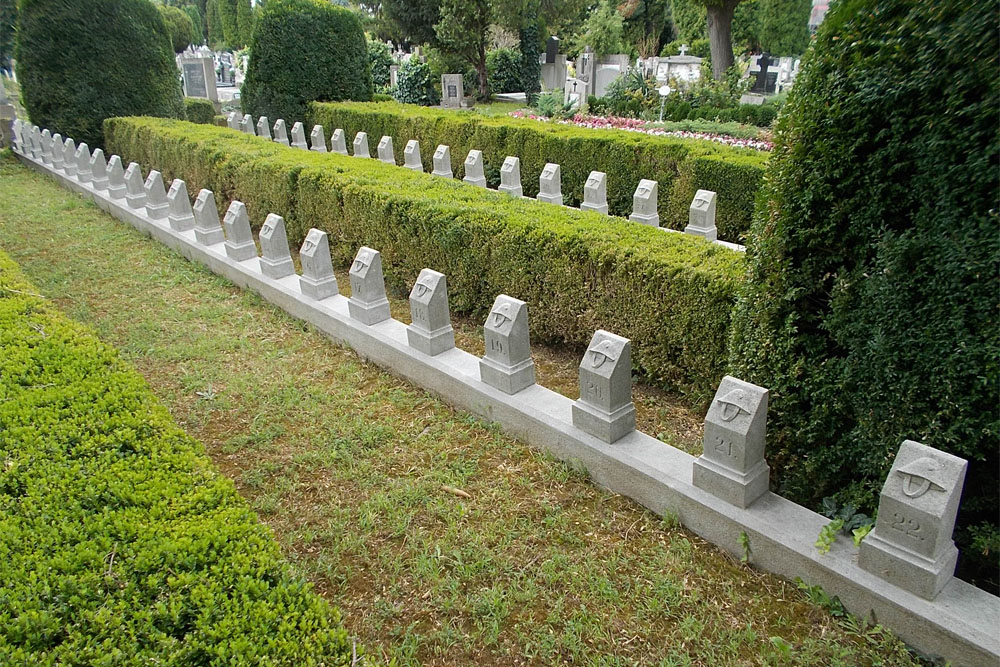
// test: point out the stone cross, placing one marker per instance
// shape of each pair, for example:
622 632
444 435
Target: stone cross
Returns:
684 49
180 216
550 184
368 303
317 139
207 228
299 137
69 157
760 83
604 409
275 258
510 177
442 161
507 365
98 170
239 239
644 203
385 153
280 132
135 192
264 128
46 146
411 156
701 216
116 178
57 151
431 331
83 173
911 545
361 145
595 193
338 142
732 465
157 206
246 125
317 280
233 121
474 169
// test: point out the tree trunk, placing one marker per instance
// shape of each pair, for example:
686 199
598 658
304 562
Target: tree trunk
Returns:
720 35
484 87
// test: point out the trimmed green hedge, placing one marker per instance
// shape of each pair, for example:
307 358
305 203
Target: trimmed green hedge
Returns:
670 293
626 157
198 110
119 541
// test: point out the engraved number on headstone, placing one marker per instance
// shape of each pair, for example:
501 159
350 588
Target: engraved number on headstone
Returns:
907 526
496 345
724 446
594 389
420 313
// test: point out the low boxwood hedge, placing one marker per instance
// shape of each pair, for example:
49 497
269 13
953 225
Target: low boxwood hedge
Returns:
198 110
119 542
626 157
670 293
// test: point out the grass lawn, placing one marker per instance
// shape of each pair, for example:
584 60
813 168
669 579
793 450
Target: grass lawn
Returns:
443 541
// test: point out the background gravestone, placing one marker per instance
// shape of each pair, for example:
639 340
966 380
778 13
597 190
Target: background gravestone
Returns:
264 128
280 132
361 145
701 216
911 545
550 184
338 142
604 409
474 173
233 121
510 177
299 136
732 465
317 280
442 161
595 193
317 139
199 78
385 152
411 156
431 331
452 92
644 202
368 302
507 364
246 125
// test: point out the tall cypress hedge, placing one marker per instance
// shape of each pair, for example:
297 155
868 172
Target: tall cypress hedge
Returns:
303 51
81 62
871 305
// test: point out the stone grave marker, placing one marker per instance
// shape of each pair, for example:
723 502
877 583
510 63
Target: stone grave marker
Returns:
701 216
368 303
452 92
280 132
246 125
550 184
644 203
442 161
264 128
239 239
98 170
116 178
317 280
69 156
15 128
299 137
732 465
510 177
157 206
604 409
36 143
911 545
393 75
233 120
83 173
338 142
595 193
317 139
361 145
46 146
431 331
179 215
135 192
58 158
385 153
507 364
275 258
411 156
551 49
207 228
474 173
199 78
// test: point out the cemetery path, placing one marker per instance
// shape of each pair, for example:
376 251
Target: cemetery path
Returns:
356 472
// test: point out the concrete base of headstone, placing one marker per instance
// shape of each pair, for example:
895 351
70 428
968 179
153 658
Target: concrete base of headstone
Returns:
732 486
508 379
240 252
415 167
277 269
651 220
752 98
441 172
433 342
903 568
478 182
369 313
136 201
157 211
100 183
513 191
712 233
117 191
181 223
605 426
551 199
211 236
318 289
597 208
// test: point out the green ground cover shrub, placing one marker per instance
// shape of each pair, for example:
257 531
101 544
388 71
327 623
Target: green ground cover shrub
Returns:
198 110
119 541
290 33
871 305
626 157
670 293
70 84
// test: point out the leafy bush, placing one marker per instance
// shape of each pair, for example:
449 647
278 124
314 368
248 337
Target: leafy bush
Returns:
198 110
681 166
70 84
670 293
380 60
291 33
414 84
504 71
552 105
180 29
531 68
870 312
121 543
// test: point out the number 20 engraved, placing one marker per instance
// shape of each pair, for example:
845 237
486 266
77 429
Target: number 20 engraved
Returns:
906 526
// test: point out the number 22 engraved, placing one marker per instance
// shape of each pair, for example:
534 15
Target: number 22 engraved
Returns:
907 526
